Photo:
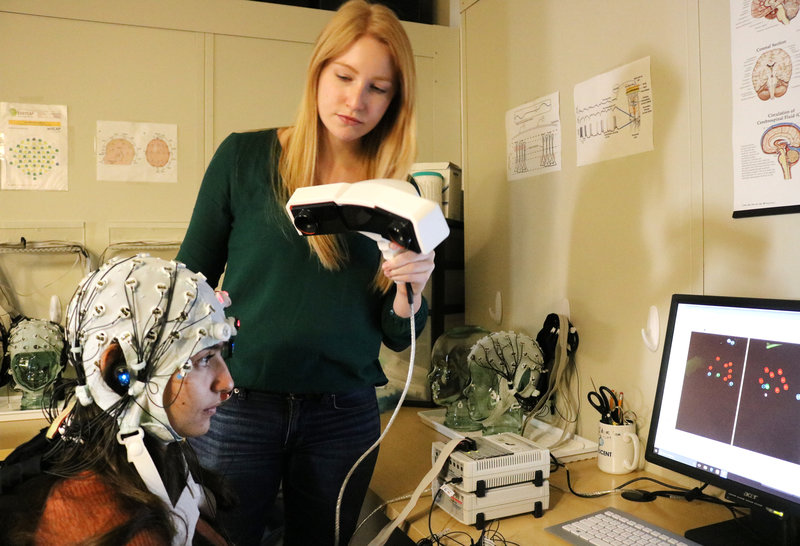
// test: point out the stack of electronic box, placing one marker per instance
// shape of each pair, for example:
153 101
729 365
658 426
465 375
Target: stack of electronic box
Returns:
493 477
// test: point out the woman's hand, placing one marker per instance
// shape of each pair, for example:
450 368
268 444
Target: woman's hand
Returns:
408 267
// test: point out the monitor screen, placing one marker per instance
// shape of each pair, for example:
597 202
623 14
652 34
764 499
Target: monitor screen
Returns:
727 404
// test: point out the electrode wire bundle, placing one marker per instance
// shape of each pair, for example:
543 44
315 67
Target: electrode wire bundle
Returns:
560 392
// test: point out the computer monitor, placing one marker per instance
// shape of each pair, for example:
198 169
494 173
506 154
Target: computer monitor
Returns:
727 409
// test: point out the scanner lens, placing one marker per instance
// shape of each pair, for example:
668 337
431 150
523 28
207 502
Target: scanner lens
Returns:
400 233
306 221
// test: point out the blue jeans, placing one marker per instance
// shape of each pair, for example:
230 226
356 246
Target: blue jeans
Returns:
306 444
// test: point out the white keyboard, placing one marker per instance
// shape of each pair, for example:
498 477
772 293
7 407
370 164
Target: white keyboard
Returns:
613 527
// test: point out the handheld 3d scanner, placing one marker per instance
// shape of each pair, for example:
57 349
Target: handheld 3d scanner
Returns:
385 210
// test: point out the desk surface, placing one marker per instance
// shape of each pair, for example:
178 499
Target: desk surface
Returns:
405 457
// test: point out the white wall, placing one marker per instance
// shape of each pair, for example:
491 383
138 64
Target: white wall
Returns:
619 236
210 67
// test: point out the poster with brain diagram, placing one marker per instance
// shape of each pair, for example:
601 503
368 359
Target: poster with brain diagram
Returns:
137 152
33 147
765 71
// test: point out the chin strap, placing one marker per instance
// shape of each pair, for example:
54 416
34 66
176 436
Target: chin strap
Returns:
504 404
186 511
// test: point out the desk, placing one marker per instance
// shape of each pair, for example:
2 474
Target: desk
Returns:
405 457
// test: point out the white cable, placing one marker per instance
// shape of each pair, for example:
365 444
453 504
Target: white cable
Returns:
384 505
436 468
385 430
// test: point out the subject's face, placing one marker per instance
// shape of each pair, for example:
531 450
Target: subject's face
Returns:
191 398
355 89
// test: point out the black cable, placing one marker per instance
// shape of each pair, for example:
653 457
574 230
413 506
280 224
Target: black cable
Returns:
431 536
689 495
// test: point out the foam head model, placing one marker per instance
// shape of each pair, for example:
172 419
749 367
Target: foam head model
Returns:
160 313
35 351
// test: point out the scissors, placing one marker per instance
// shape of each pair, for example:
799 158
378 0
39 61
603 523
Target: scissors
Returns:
605 401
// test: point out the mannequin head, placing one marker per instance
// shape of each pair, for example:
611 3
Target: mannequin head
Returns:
504 367
36 356
491 402
449 375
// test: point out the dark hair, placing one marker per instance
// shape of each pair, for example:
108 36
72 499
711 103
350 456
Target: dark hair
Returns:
87 442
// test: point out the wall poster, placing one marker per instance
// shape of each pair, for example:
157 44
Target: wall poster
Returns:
614 113
33 147
533 138
137 152
765 57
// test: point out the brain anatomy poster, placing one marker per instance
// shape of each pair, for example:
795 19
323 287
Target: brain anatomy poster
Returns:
33 147
765 57
136 152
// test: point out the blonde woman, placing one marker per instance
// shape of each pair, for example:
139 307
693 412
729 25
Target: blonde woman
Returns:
314 310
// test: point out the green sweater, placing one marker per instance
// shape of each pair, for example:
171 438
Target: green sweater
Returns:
304 329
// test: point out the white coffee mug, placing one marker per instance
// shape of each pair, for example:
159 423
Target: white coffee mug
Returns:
617 448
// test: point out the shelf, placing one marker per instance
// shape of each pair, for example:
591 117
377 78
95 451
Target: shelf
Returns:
9 410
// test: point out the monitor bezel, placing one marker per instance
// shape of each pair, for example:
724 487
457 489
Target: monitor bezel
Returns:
738 492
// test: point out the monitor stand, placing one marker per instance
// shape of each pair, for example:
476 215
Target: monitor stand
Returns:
760 527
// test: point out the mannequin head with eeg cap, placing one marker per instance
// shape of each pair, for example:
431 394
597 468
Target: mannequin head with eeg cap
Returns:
504 367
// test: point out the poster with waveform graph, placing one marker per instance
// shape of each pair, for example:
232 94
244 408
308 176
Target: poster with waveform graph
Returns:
614 113
533 138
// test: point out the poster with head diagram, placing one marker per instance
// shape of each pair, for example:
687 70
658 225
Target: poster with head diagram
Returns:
136 152
33 146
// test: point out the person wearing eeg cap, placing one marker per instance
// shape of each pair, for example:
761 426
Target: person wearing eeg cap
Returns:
146 338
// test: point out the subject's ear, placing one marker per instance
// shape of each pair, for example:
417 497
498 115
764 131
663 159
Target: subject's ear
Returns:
114 369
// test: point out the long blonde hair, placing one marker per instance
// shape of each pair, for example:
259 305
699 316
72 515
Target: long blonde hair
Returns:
388 150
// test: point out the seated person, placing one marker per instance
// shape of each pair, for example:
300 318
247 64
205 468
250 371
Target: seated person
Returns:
146 338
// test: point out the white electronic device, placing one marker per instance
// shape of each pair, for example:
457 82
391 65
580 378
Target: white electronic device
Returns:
471 509
497 460
383 209
491 477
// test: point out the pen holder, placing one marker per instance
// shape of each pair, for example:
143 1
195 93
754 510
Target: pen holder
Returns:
617 448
